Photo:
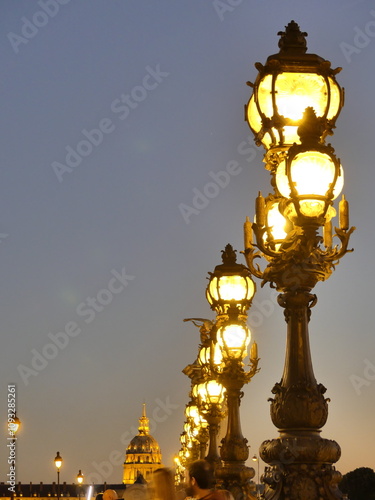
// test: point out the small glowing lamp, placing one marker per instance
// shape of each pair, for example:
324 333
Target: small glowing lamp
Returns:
58 460
79 477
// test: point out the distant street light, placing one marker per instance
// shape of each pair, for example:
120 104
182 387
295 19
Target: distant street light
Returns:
15 425
79 481
58 463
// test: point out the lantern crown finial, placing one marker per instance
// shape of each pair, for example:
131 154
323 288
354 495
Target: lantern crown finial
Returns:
292 39
311 128
228 255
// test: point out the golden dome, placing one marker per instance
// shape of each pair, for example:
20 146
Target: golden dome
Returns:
143 454
143 444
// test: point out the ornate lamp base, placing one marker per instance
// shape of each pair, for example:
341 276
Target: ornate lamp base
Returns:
236 477
301 468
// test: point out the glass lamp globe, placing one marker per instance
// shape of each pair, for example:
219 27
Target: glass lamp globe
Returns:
309 179
192 412
58 460
191 431
277 225
211 392
15 425
234 339
205 353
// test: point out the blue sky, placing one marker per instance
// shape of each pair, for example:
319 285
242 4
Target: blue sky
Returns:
100 256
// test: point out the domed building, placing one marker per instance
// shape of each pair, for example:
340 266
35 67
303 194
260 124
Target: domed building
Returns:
143 455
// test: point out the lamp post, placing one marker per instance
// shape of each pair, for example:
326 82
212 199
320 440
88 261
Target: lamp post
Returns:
193 440
14 425
230 292
199 428
255 458
79 481
294 106
179 468
206 393
210 401
58 462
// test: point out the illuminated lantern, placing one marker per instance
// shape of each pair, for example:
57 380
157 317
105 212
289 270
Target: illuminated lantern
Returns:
230 284
291 81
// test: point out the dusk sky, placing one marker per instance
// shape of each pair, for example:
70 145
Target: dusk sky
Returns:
114 115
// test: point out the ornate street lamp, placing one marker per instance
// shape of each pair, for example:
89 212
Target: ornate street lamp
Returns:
179 469
188 441
307 177
206 393
200 424
182 460
191 434
234 337
58 462
285 86
219 368
210 399
230 292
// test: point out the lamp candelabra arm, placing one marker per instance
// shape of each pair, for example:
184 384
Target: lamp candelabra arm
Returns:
343 235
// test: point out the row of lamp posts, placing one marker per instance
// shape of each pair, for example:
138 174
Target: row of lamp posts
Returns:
218 376
58 463
15 426
293 108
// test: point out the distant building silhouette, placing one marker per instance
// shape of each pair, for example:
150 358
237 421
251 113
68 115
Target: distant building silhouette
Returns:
43 491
